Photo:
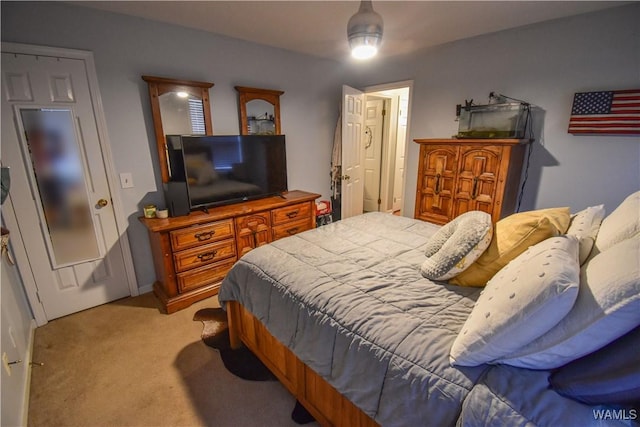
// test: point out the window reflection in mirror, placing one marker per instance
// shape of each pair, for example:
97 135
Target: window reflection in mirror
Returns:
179 107
181 114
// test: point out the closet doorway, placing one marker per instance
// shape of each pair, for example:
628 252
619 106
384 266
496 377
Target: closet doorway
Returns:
386 120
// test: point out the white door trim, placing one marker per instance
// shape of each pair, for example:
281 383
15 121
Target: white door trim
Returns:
22 262
105 148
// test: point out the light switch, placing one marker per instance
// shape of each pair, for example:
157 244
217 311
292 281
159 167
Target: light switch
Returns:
126 180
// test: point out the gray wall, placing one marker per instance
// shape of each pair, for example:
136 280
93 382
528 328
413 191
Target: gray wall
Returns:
544 64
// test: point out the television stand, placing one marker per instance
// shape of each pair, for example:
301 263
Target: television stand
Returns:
193 253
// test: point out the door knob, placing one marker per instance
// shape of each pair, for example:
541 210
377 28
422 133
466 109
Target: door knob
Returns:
345 177
102 203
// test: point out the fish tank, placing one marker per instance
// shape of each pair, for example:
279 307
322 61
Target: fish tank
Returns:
507 120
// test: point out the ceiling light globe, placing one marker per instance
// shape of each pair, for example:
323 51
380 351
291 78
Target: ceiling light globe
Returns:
364 52
182 94
364 31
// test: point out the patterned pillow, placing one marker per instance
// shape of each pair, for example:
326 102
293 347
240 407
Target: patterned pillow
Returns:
511 237
520 303
456 245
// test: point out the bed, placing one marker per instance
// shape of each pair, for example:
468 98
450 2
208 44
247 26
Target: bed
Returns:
343 317
348 302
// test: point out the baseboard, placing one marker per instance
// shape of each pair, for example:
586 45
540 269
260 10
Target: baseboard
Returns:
27 386
146 289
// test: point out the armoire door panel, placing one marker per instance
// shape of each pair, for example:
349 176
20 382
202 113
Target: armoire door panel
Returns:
459 175
477 177
437 172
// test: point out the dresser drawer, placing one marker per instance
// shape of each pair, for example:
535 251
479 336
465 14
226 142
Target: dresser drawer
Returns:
291 228
201 234
291 213
202 276
203 255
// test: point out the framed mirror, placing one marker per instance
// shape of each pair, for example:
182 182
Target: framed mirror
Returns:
178 107
259 111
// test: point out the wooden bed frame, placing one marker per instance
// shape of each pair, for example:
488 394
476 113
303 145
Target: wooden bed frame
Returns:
322 401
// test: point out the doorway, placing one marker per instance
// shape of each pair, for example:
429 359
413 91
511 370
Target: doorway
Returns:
374 129
389 144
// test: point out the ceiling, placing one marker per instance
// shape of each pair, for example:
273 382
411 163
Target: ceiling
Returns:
318 28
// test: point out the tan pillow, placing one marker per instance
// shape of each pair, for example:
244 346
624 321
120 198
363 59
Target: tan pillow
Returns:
511 237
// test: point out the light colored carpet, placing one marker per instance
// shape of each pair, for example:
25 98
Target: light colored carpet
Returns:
127 364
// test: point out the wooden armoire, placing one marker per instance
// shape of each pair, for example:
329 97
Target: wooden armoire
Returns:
460 175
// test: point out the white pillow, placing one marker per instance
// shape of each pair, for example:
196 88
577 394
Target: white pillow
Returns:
521 302
607 307
456 245
585 225
621 224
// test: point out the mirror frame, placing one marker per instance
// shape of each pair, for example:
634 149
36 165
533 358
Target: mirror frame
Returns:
247 94
161 85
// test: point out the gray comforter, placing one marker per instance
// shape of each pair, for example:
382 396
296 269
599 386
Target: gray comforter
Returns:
349 300
514 397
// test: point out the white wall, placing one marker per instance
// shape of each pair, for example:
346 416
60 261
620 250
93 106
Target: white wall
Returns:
544 64
125 48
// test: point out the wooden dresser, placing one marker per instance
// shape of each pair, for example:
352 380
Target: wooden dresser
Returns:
193 253
460 175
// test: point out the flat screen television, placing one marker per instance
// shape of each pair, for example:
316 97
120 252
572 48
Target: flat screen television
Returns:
208 171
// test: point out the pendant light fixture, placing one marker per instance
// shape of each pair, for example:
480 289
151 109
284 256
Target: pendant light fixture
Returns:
365 31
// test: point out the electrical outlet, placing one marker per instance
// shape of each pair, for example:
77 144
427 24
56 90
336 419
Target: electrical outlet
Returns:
126 180
5 363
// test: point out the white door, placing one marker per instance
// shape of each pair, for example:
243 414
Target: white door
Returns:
373 127
59 190
352 153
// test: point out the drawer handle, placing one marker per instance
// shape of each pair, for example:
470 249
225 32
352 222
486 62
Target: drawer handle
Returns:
293 214
207 256
292 231
206 235
474 192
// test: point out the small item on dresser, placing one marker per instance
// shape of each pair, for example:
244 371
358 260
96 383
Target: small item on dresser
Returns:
323 207
162 213
323 213
150 211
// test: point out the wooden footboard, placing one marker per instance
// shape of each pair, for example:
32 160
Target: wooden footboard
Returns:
323 401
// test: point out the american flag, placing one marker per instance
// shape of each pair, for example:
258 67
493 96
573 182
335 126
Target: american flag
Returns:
606 112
